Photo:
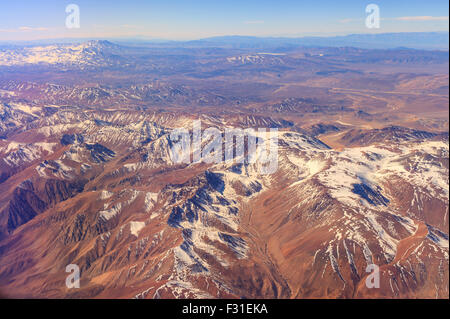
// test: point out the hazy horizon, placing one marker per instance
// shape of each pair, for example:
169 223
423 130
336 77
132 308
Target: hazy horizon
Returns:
412 40
157 39
176 20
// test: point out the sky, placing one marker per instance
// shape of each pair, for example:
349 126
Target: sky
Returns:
195 19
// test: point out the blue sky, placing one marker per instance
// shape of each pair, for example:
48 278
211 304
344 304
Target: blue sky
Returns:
176 19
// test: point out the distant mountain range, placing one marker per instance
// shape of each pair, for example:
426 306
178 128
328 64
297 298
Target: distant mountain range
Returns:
218 56
413 40
96 52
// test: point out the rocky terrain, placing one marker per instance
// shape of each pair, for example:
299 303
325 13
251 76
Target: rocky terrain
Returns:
87 178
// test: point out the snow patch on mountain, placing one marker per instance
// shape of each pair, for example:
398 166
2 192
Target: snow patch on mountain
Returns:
136 227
